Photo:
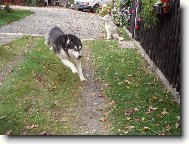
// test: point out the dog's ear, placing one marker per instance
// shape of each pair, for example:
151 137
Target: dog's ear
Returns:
68 41
64 41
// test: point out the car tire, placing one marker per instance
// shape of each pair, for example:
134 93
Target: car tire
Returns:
94 8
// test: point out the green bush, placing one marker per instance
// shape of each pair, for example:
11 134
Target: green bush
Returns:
7 9
34 2
147 13
105 10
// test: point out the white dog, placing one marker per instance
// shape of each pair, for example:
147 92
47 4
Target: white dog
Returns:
111 28
67 47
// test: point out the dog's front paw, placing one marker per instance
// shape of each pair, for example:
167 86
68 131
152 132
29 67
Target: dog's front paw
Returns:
74 70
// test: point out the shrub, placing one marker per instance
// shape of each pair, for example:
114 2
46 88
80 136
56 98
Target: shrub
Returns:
28 2
147 14
105 10
7 9
34 2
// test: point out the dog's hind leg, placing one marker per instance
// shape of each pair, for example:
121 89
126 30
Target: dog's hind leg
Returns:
116 36
79 68
67 63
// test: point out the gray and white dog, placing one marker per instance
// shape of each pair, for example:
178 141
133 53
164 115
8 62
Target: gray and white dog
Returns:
111 28
67 47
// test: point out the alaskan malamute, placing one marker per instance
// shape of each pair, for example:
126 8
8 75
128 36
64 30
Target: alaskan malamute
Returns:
67 47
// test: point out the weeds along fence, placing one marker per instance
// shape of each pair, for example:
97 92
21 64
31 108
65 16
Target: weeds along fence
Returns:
162 43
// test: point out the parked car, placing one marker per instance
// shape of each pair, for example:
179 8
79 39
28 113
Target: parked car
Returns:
90 5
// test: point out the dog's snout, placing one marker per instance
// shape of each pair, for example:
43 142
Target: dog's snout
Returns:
80 56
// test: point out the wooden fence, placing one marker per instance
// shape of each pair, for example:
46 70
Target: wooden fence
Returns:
163 43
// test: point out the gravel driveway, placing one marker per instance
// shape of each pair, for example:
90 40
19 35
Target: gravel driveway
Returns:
84 25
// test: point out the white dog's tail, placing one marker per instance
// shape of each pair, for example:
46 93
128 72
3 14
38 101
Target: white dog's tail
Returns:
116 36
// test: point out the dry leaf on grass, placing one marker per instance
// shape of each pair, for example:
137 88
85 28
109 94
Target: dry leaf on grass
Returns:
2 117
164 112
32 126
131 111
103 119
146 128
151 109
130 127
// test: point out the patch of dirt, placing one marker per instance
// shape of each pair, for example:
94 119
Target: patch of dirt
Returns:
92 109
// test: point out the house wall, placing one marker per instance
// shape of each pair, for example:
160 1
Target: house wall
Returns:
61 2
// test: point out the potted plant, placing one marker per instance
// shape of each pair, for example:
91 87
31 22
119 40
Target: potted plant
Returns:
166 6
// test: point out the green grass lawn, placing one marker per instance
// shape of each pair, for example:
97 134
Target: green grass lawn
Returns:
15 15
142 104
15 48
38 95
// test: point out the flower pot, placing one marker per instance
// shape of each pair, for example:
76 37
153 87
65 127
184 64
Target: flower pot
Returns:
6 1
137 27
166 9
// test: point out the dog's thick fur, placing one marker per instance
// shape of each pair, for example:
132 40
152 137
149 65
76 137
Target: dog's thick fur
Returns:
111 28
67 47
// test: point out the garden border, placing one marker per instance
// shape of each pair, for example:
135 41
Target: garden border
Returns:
155 69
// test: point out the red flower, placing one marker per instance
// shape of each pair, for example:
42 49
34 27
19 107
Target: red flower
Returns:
166 1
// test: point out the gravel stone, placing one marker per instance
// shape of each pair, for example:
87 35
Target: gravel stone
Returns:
82 24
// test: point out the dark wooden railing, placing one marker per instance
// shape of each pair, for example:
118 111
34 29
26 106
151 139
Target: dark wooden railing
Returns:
163 43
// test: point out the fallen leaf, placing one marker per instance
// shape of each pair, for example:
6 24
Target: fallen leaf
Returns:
100 95
164 112
120 83
105 127
146 128
32 126
130 111
177 125
125 132
64 120
2 117
138 120
128 82
151 109
136 109
100 109
112 102
154 97
43 133
128 118
167 128
103 119
130 127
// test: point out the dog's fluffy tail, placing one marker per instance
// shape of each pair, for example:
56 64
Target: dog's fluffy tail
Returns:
116 36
